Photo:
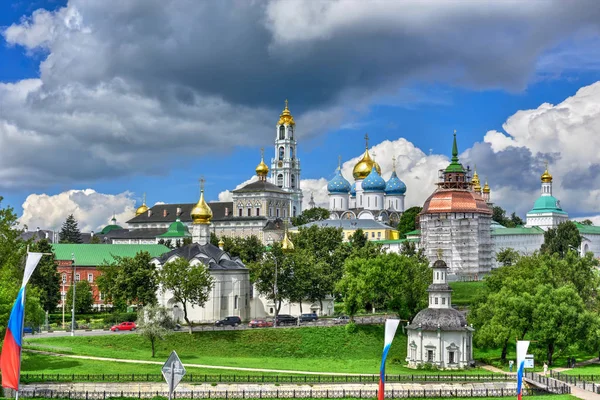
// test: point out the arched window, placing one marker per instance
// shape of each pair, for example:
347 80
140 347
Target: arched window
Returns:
258 211
235 302
294 211
281 132
292 153
293 181
280 180
240 212
281 152
291 131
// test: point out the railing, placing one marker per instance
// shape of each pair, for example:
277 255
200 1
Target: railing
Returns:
585 382
225 378
547 383
280 393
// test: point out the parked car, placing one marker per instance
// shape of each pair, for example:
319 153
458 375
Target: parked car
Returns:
32 330
285 319
342 319
124 326
260 323
312 317
231 321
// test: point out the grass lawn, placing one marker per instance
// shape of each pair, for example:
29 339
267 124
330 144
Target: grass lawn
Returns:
464 293
330 349
592 369
548 397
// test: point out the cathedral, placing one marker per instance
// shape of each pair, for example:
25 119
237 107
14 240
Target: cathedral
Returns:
370 197
259 208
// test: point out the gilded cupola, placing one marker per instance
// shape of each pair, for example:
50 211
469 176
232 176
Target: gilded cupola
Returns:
546 177
143 208
363 168
201 213
262 170
286 243
475 181
286 116
486 187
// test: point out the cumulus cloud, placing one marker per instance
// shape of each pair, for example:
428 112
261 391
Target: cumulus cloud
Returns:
227 195
125 82
91 209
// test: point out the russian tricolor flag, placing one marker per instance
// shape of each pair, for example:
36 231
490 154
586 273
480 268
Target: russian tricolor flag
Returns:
522 346
390 330
10 359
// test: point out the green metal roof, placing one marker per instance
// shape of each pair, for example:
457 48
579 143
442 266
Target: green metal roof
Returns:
416 232
177 229
455 166
521 230
587 229
546 204
98 254
109 228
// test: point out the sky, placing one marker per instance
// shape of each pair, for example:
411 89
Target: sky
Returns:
101 102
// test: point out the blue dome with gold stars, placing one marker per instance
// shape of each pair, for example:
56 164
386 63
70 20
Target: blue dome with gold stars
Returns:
373 182
338 184
394 185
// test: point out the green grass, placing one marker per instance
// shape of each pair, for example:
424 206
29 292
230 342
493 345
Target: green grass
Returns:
331 349
592 369
547 397
464 293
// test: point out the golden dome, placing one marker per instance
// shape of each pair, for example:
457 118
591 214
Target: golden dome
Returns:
221 243
546 177
286 117
476 182
286 243
486 187
363 168
262 170
201 213
143 208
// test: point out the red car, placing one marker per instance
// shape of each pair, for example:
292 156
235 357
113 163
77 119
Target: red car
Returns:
124 326
260 323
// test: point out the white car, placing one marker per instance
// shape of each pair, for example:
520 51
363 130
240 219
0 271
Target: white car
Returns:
342 319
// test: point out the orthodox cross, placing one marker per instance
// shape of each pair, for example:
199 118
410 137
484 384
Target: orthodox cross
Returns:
367 140
286 103
262 152
439 253
339 162
202 180
393 163
144 198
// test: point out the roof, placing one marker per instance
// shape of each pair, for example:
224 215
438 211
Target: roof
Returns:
416 232
448 319
99 254
209 254
109 228
39 235
521 230
587 229
167 213
455 200
260 186
546 204
346 224
338 184
176 230
397 241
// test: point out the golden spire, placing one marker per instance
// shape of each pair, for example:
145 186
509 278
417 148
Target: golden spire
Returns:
475 181
367 141
286 243
286 117
143 208
546 177
262 170
363 168
201 214
486 187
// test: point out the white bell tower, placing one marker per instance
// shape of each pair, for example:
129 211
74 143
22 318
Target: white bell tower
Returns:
285 166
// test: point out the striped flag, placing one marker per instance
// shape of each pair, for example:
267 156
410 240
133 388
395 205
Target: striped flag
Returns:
10 359
522 346
390 330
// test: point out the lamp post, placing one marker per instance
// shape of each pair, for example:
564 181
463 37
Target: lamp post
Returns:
63 298
73 305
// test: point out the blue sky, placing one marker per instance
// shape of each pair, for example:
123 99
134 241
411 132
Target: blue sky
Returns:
122 104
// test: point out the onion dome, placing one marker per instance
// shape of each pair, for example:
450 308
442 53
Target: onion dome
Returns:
394 185
286 243
286 117
353 190
476 182
486 187
363 168
143 208
221 243
546 177
177 229
262 170
201 213
374 182
338 184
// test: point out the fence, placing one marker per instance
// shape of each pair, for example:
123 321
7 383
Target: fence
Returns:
549 384
281 394
585 382
221 378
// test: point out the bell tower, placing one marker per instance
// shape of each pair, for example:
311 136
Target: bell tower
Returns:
285 166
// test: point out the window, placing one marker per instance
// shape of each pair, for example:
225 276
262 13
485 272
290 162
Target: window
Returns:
76 277
271 310
292 153
223 302
361 199
240 212
281 132
270 211
378 235
436 300
249 212
375 201
90 278
293 181
443 300
291 131
64 278
430 356
101 295
235 302
246 299
451 357
281 152
294 210
368 202
258 211
280 180
277 213
437 275
372 234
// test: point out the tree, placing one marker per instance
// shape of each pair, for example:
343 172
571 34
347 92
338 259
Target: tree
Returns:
561 239
136 279
310 215
46 277
69 233
154 323
499 215
84 299
507 256
107 284
408 221
214 240
587 222
95 240
191 291
249 249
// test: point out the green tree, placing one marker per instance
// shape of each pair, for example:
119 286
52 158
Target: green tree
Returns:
95 240
249 249
263 271
154 323
187 241
46 277
192 291
515 220
499 215
69 233
107 284
310 215
587 222
136 279
507 256
561 239
214 240
408 221
84 299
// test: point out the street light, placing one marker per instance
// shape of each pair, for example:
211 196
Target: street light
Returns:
73 305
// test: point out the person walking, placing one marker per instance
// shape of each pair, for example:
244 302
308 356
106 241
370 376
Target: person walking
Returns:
510 365
545 369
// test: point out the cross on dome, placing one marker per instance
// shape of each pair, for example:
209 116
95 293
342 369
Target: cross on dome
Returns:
367 140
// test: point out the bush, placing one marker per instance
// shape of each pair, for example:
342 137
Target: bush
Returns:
351 327
120 317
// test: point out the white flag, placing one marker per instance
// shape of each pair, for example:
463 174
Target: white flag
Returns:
32 261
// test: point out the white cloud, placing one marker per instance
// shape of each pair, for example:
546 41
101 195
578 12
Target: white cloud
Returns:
227 195
91 209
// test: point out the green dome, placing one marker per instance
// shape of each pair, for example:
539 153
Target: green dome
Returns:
176 229
546 204
113 226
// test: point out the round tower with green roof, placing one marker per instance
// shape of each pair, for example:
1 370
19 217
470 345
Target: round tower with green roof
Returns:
546 212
